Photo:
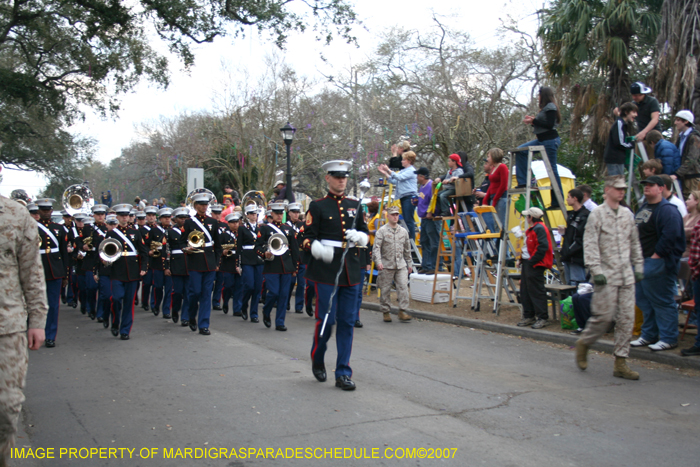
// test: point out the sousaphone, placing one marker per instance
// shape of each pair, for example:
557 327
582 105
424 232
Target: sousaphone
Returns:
78 198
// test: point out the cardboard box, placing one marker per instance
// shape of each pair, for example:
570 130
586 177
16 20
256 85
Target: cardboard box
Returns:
463 187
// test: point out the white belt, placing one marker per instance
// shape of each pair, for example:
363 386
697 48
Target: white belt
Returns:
248 247
129 253
53 250
176 252
208 244
337 244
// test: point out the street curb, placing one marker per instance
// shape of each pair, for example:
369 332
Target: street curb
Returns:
546 336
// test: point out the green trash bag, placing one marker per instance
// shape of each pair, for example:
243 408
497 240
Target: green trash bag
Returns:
568 321
520 203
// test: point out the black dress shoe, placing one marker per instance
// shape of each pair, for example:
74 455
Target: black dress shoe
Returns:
83 311
49 343
124 337
309 311
298 311
99 319
204 331
266 321
345 383
237 313
166 316
175 316
92 316
145 307
115 332
358 324
254 320
244 314
193 325
281 328
136 301
73 304
319 372
155 310
216 307
105 322
225 309
184 323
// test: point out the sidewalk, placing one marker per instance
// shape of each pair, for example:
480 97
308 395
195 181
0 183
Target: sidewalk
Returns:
462 315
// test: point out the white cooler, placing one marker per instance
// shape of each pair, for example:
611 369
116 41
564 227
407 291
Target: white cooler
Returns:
422 287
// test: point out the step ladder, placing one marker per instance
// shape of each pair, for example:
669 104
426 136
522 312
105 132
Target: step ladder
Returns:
380 222
447 254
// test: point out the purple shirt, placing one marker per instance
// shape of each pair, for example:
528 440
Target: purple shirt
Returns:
424 194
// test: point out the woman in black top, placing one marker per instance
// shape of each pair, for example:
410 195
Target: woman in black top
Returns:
545 129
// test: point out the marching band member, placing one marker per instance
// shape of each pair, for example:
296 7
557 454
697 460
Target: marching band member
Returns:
67 291
125 272
328 230
202 263
33 211
155 242
140 222
219 281
294 210
277 270
230 265
54 259
98 233
86 243
251 263
176 266
104 297
147 280
76 261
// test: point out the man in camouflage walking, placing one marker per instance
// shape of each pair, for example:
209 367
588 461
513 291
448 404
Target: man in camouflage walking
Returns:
611 249
23 309
392 255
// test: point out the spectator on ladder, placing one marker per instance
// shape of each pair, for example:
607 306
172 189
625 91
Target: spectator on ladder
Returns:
572 239
497 193
428 227
533 294
616 148
662 238
392 255
467 174
454 162
545 128
405 181
612 251
587 191
689 146
665 152
652 167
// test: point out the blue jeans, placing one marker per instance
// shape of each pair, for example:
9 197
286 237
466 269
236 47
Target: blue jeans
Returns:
551 146
615 169
444 200
407 210
575 273
500 212
696 293
429 242
655 297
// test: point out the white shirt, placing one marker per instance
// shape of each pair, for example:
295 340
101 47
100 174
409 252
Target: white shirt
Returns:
679 204
590 204
683 138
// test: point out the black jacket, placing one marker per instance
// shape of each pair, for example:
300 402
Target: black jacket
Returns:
572 244
209 259
156 235
53 250
247 235
616 147
177 261
128 267
284 264
230 263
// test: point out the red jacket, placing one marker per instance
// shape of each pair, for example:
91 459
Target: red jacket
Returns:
539 245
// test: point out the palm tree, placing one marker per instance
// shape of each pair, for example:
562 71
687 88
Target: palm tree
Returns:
675 76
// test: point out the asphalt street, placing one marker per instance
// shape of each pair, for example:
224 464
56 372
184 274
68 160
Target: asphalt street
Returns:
424 388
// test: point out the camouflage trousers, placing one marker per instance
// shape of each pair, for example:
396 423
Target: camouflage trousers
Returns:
398 276
611 303
13 371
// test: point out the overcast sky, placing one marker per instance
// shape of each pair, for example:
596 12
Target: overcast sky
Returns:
195 91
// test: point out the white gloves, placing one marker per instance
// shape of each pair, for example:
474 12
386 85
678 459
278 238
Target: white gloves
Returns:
359 238
322 252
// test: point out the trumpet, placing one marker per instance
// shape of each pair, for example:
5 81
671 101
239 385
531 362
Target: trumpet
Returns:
110 250
277 244
155 248
229 247
195 240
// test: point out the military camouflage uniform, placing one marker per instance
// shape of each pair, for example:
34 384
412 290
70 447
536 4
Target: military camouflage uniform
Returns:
23 304
611 247
392 250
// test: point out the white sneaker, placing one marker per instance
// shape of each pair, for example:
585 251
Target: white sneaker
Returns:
661 345
639 343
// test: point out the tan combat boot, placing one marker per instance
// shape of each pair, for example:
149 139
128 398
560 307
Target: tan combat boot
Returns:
403 316
387 317
622 370
581 355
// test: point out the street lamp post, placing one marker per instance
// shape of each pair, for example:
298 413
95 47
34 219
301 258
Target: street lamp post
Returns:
288 136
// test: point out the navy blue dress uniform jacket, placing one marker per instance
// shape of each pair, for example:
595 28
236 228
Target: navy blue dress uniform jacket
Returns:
74 238
176 261
284 264
127 268
156 234
247 238
53 250
229 263
327 219
209 260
